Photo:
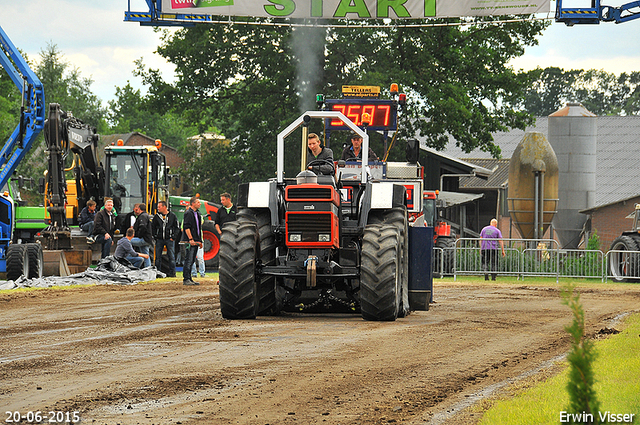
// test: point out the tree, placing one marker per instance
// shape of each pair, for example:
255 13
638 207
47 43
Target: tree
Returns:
243 80
9 107
600 92
66 86
10 99
131 112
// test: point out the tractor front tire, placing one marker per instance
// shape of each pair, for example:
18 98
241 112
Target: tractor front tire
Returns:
239 250
267 255
380 271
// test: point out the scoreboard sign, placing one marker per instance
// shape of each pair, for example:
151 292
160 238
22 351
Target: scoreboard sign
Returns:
383 113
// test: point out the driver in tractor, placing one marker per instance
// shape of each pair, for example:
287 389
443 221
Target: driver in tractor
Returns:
319 157
354 152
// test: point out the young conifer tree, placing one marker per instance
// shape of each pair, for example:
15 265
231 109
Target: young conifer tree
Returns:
582 396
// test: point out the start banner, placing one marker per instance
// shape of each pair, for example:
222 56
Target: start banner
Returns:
356 9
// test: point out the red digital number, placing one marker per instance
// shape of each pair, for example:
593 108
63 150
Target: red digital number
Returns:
340 108
353 113
387 114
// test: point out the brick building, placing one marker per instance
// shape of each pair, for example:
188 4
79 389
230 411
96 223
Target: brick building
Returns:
610 220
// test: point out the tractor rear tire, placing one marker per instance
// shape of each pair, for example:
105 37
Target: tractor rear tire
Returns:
239 250
380 287
211 245
398 217
36 260
624 266
17 261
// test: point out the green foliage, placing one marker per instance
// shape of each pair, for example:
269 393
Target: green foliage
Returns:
594 241
212 168
601 92
64 85
9 106
132 112
582 396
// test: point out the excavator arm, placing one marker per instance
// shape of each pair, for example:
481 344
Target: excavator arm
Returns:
65 135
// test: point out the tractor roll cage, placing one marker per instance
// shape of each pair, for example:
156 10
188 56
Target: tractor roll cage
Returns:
319 114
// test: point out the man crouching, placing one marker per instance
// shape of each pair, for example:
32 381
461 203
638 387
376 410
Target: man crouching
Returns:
124 250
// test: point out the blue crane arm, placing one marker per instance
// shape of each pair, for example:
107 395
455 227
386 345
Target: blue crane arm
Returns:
32 113
597 13
155 17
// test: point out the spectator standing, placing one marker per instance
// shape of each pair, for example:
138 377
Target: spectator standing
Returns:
165 230
125 251
105 226
226 213
200 263
490 238
143 238
192 230
86 219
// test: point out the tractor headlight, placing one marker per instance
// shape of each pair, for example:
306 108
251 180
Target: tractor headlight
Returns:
295 237
323 237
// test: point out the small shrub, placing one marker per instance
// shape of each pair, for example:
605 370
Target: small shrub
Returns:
582 396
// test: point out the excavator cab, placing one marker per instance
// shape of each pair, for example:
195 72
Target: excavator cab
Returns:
135 174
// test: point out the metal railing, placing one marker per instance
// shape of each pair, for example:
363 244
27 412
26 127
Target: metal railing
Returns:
524 257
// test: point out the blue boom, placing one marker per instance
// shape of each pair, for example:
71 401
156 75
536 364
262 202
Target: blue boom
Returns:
32 115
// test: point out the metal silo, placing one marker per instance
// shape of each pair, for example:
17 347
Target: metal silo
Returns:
533 185
573 134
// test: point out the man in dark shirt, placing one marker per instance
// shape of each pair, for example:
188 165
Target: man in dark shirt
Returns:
226 213
354 152
124 250
322 156
192 235
143 238
86 219
105 226
165 230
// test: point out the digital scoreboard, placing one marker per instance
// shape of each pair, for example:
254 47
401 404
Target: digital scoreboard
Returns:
383 113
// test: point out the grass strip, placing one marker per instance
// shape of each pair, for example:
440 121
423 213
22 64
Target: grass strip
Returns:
617 373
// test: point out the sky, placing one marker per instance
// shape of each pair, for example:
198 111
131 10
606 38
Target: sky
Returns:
93 37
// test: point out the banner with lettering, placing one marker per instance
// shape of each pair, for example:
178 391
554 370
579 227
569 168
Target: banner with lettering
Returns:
356 9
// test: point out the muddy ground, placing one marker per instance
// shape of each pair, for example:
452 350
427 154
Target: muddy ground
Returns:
161 353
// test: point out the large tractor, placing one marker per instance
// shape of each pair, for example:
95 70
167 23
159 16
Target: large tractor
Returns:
337 243
624 259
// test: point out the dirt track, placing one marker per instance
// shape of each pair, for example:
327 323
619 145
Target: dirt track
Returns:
162 354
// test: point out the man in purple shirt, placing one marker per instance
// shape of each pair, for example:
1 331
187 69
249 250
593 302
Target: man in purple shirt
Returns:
490 237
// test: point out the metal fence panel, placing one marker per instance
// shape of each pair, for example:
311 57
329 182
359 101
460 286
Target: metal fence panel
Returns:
525 257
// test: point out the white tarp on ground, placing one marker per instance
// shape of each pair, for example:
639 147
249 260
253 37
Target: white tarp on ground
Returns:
108 272
356 9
